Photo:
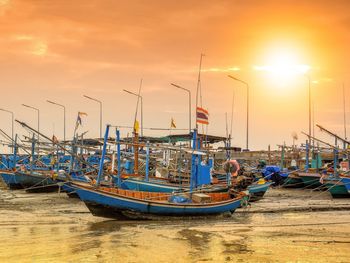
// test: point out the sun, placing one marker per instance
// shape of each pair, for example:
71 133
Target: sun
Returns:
282 65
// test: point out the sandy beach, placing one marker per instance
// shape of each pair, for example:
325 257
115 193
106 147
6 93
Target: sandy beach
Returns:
288 225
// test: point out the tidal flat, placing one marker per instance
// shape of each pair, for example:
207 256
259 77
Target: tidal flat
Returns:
288 225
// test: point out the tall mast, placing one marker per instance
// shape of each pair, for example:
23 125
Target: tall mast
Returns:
344 112
199 89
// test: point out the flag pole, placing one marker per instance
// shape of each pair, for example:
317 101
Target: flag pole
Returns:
198 84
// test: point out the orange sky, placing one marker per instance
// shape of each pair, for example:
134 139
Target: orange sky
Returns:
60 50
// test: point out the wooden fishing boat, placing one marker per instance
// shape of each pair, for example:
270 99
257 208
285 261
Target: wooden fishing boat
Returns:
257 190
152 185
10 179
34 181
310 179
113 202
339 187
293 180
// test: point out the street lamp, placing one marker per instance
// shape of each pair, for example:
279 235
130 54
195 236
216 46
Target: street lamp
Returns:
245 83
100 102
137 95
33 108
309 80
64 116
189 104
11 125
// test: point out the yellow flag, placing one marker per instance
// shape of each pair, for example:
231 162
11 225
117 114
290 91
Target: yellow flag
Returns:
172 124
136 126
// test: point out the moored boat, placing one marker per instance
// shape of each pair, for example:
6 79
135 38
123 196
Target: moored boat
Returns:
257 190
10 179
310 179
339 187
293 180
113 202
35 181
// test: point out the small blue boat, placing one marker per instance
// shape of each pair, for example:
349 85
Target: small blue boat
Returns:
35 181
113 202
139 184
257 190
339 187
10 179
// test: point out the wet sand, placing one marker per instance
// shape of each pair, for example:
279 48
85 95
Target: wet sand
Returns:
287 226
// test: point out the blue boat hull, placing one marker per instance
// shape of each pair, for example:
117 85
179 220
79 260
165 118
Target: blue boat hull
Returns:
338 187
150 186
257 191
11 180
31 182
112 205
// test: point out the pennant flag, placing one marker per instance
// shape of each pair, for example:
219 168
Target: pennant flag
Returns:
202 116
136 126
54 139
172 124
79 121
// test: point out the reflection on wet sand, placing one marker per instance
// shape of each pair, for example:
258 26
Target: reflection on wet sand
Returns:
55 229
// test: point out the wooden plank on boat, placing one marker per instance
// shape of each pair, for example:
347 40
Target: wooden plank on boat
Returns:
201 198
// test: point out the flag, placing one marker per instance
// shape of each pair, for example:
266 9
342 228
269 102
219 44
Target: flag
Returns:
202 116
54 139
172 124
136 126
79 121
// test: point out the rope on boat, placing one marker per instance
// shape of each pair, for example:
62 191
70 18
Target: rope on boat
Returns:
41 186
34 186
315 181
327 190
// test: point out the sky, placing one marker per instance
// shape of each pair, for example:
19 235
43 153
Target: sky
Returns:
61 50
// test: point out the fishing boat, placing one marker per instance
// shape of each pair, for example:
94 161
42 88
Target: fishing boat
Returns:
310 179
258 189
339 187
113 202
10 179
293 180
37 181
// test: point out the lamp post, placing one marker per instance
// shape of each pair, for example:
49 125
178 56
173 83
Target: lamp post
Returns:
309 81
137 95
100 102
189 104
12 115
245 83
64 116
38 111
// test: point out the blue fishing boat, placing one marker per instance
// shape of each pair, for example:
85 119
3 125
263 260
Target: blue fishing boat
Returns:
152 185
339 187
37 181
76 176
113 202
10 179
258 189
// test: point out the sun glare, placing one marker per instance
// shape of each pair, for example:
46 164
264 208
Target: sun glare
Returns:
282 66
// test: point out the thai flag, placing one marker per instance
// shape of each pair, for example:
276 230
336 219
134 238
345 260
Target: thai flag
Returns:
202 116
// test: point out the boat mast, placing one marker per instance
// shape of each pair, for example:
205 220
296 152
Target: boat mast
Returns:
199 88
118 157
344 115
104 148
